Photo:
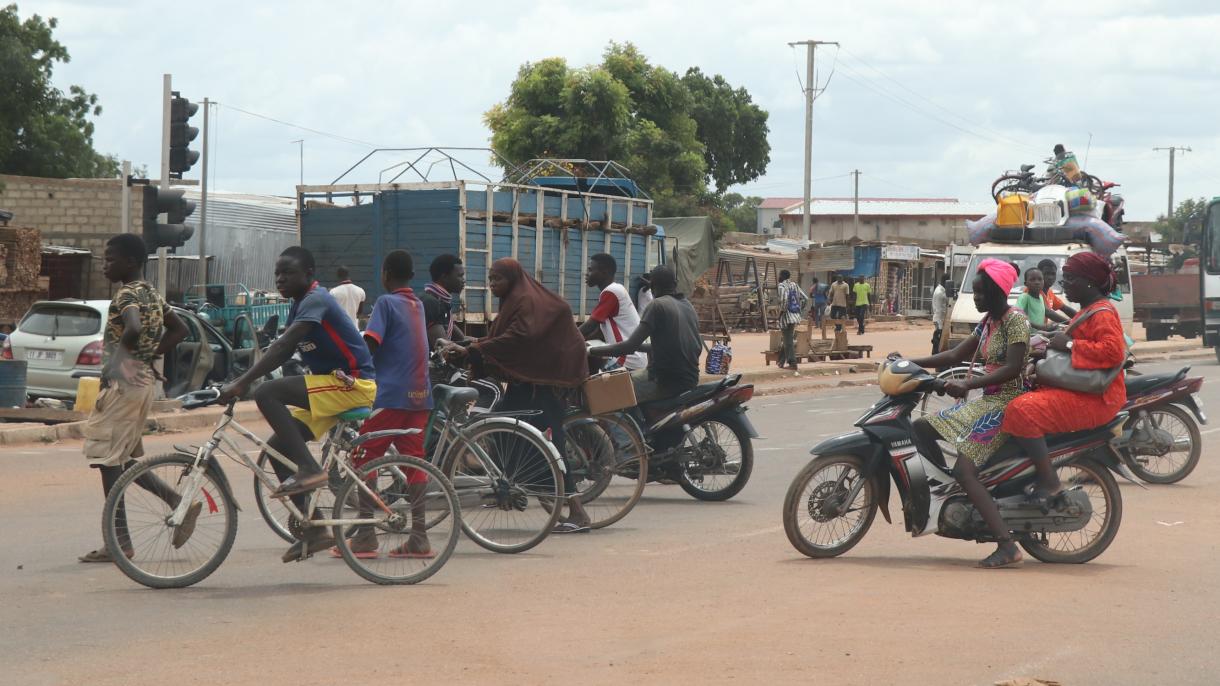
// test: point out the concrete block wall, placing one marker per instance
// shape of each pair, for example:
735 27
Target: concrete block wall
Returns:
80 213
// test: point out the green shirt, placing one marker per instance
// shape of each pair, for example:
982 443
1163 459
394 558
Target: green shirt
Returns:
1034 308
862 291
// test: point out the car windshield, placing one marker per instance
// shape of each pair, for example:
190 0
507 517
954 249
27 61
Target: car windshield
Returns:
61 320
1023 263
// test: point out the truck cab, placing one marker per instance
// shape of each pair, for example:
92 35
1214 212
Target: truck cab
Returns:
964 317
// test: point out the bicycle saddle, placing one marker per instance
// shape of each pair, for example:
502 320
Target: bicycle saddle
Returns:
453 398
355 414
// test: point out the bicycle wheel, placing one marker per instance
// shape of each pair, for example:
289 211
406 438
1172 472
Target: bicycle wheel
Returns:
273 510
396 550
507 481
610 461
139 538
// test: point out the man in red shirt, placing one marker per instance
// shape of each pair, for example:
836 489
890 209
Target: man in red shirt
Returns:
615 316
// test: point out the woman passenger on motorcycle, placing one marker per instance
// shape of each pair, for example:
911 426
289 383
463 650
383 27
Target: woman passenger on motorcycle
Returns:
1001 344
1097 343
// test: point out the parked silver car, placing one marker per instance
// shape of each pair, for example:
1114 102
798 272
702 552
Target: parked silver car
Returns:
61 340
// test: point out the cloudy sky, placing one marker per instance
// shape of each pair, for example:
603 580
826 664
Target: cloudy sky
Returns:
925 99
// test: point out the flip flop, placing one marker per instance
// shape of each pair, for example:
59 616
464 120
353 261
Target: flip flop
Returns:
571 528
1000 562
103 555
368 555
410 555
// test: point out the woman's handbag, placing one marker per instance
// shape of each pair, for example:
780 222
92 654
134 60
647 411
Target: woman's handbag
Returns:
1056 368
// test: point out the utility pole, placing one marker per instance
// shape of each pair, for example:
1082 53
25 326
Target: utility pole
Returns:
1172 149
856 210
163 253
810 94
301 144
203 200
125 199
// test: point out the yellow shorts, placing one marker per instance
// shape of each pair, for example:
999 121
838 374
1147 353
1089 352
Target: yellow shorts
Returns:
328 397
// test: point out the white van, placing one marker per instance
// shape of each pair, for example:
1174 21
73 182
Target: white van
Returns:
964 317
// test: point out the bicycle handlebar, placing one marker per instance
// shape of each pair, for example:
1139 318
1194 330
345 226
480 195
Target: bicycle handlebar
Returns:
202 398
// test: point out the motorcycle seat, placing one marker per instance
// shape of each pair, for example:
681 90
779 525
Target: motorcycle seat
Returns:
694 395
1137 385
452 398
1058 442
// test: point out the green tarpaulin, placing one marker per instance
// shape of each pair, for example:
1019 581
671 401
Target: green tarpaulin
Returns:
691 245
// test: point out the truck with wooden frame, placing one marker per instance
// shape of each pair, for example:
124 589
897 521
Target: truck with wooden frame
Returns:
549 222
1167 301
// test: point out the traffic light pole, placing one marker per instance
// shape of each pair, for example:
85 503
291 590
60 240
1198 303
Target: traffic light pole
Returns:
125 198
203 200
163 253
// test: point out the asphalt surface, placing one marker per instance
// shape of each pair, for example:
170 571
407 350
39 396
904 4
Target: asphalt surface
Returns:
678 591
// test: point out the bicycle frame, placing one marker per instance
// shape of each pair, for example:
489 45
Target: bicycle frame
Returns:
222 442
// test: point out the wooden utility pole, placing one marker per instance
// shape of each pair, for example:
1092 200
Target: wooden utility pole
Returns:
811 93
856 209
1172 149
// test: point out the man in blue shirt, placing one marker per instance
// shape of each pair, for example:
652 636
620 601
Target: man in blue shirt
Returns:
341 378
397 336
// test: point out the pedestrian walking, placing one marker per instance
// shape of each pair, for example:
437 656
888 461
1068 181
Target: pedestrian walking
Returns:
940 308
819 292
839 293
140 328
792 301
349 296
863 293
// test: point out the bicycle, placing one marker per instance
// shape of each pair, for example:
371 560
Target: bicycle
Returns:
508 476
139 527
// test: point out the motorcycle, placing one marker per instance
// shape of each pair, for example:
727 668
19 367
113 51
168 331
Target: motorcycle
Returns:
1161 441
1161 426
832 501
1113 206
702 439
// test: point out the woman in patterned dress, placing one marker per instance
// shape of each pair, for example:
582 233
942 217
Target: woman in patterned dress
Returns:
1001 344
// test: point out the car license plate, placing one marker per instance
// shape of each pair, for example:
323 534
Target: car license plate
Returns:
44 355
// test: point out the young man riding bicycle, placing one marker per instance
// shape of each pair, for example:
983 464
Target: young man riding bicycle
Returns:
341 379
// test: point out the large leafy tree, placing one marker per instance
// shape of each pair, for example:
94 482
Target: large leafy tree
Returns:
43 131
677 134
1186 224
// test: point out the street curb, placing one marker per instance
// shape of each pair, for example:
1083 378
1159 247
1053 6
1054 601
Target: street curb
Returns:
170 422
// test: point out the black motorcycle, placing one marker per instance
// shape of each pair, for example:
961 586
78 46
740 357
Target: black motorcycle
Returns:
833 500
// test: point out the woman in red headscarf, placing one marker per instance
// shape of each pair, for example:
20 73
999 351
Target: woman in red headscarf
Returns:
1000 343
533 345
1095 343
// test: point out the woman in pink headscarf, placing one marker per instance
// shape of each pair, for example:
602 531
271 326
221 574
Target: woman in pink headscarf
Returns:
1000 343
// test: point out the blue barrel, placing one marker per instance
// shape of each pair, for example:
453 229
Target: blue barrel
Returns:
12 383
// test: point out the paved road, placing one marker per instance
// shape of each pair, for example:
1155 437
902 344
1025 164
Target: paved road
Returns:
678 591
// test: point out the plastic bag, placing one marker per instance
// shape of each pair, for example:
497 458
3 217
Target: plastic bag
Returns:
979 230
719 358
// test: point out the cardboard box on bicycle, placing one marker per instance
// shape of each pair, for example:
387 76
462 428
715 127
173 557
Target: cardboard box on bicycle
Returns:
608 392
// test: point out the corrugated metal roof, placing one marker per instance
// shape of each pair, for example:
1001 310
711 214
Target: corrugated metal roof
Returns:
778 203
245 235
892 207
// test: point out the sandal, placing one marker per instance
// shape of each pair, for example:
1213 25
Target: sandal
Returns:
999 559
571 528
103 555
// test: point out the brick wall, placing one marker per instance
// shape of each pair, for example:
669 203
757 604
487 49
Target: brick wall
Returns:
80 213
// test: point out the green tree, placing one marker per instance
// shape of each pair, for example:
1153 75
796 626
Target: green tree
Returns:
740 212
664 128
43 131
1186 224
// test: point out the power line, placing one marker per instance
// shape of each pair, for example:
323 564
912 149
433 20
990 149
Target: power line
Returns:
335 136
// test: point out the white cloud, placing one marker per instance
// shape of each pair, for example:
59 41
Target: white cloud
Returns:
1134 74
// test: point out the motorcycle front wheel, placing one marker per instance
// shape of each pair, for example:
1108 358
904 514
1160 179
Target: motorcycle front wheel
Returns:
1182 455
1078 547
818 518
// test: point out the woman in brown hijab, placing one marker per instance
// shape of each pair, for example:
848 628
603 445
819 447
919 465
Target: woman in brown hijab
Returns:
535 347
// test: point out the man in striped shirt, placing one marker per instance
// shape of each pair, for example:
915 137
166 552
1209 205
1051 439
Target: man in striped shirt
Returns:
792 302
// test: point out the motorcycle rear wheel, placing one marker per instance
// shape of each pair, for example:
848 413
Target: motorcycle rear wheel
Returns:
807 496
727 474
1078 547
1182 422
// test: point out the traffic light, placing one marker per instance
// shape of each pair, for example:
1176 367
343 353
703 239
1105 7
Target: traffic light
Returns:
174 233
181 158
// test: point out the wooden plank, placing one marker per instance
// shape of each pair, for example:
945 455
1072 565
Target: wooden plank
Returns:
539 229
491 255
513 222
41 414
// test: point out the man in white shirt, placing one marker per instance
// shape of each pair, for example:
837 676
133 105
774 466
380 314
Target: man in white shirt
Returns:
644 296
940 307
615 317
349 296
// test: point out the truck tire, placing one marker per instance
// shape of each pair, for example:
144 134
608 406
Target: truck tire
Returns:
1156 333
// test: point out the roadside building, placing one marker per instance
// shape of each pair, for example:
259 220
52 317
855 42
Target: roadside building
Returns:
929 222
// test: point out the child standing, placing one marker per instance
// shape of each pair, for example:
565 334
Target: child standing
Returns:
132 342
1033 302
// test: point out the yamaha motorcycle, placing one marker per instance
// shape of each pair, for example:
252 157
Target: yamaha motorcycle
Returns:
832 501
